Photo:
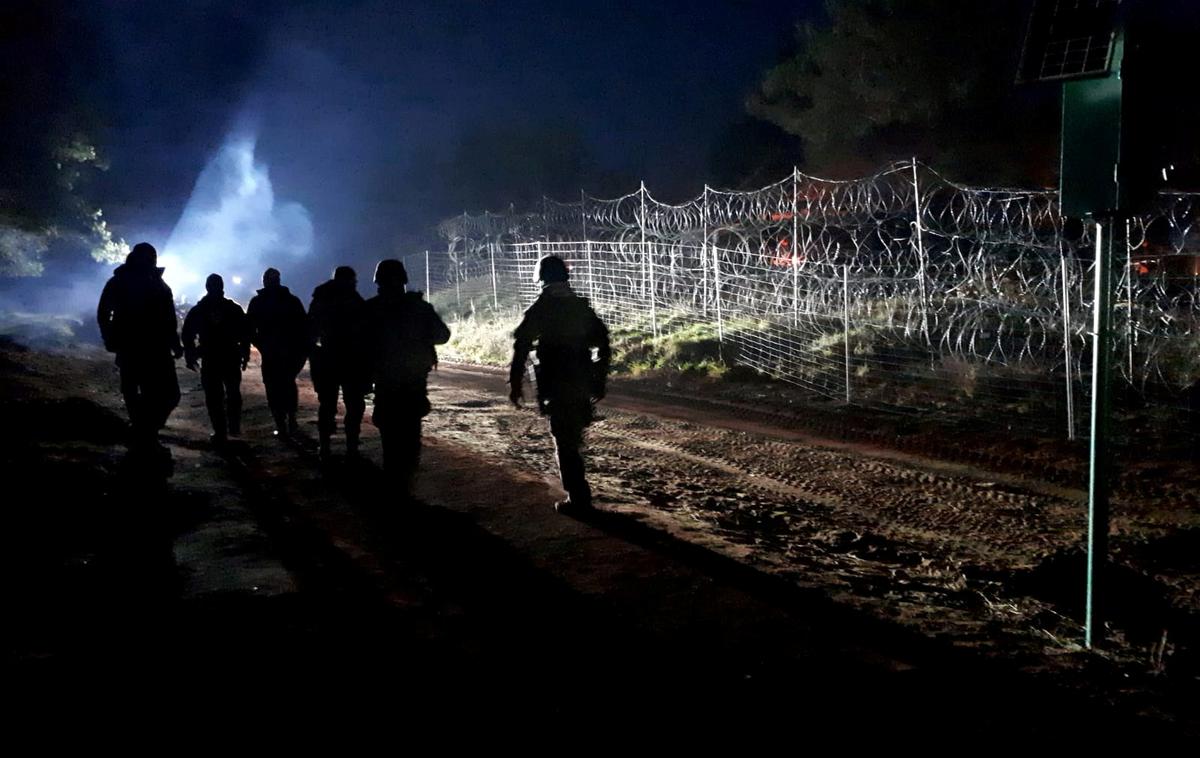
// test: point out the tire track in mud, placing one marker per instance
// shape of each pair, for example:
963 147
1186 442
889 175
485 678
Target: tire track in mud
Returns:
979 557
748 478
909 504
816 534
714 487
780 516
842 472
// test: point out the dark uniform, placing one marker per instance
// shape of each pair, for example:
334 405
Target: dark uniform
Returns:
403 331
224 334
279 329
564 330
337 317
137 321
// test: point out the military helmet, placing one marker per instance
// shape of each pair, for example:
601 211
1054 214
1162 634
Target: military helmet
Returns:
552 269
391 272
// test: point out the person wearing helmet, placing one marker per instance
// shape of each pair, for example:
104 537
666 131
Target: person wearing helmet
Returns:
565 333
403 332
224 350
137 322
279 329
337 316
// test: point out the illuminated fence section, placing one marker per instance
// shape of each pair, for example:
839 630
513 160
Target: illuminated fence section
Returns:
901 290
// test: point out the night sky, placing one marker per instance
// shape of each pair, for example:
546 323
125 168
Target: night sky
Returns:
359 106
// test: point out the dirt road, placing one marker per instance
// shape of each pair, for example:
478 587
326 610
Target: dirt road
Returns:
990 560
254 570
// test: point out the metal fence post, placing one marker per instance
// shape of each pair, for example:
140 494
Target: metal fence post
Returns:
538 242
1131 332
792 245
583 213
704 254
673 252
1098 469
716 267
495 291
591 271
457 283
921 263
642 234
1066 317
647 264
587 245
846 323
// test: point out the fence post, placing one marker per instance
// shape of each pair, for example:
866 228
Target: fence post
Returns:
428 291
1131 332
642 233
591 271
583 213
793 245
1066 315
647 264
716 266
924 294
704 254
457 284
587 245
846 322
673 252
1098 469
495 291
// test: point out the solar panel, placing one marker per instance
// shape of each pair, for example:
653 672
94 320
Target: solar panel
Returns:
1069 39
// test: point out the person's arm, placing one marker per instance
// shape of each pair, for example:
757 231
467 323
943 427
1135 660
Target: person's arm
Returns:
169 316
244 333
524 337
315 313
437 331
598 339
299 331
104 316
189 337
253 319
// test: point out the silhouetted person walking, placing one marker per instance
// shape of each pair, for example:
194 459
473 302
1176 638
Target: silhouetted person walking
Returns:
221 327
279 329
564 330
137 322
337 317
402 332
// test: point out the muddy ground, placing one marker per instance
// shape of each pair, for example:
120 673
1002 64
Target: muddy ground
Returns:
743 568
988 557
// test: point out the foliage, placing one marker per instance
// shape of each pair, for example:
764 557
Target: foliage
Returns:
48 156
930 78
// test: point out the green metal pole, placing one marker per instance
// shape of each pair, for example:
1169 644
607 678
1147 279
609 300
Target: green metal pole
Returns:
1099 455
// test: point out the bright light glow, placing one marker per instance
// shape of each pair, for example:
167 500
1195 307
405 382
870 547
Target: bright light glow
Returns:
184 280
233 220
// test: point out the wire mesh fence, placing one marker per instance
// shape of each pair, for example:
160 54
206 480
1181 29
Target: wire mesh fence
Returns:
901 290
